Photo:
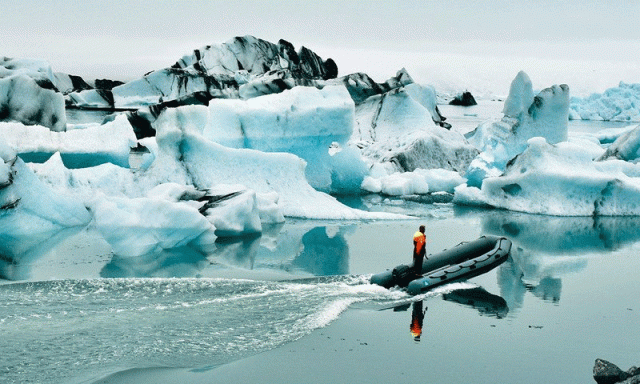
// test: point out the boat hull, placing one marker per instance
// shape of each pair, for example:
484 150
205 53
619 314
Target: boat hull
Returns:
462 262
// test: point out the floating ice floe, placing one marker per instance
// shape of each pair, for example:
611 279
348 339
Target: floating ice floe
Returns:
561 180
621 103
79 148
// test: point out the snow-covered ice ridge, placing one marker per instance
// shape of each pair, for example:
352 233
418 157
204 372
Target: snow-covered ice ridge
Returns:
227 166
621 103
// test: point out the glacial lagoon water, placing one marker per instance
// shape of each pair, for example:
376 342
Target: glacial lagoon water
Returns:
71 311
567 295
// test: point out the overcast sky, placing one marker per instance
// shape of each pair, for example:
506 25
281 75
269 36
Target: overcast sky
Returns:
463 43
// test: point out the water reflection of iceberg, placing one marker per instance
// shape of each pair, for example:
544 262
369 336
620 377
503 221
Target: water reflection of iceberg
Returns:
513 287
486 303
18 249
547 247
320 251
325 252
556 235
175 262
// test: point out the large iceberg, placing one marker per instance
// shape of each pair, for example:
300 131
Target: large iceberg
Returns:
562 180
185 156
621 103
398 128
524 116
217 71
304 121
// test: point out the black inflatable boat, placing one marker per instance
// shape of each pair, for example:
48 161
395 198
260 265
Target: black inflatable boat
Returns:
462 262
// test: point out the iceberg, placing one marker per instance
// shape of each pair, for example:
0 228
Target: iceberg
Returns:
304 121
620 103
398 128
216 71
524 116
23 100
561 180
314 124
185 156
79 148
233 210
140 226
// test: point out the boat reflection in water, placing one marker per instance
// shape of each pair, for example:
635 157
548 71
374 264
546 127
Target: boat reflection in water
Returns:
487 304
478 298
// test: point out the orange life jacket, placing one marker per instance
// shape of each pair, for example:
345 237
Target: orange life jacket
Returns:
419 240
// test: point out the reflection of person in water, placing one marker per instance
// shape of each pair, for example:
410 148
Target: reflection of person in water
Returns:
417 317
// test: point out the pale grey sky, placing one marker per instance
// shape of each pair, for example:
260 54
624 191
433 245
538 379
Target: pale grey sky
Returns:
442 42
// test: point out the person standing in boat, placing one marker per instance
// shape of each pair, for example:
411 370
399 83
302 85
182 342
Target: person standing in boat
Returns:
419 249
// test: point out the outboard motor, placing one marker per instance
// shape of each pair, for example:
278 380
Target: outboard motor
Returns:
402 275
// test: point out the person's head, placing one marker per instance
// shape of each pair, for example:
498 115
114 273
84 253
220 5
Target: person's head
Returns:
421 228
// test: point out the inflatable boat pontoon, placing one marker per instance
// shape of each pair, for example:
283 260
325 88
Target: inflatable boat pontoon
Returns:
462 262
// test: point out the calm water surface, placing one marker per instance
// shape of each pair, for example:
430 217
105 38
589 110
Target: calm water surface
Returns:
567 295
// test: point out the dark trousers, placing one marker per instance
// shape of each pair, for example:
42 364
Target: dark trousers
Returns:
417 264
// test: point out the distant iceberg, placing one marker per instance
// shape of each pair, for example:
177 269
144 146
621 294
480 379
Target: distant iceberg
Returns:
525 116
621 103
